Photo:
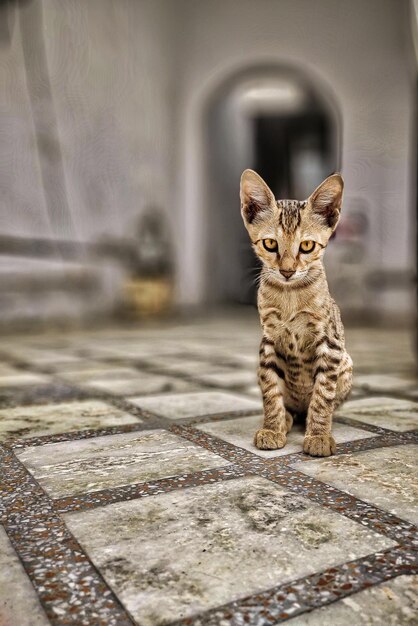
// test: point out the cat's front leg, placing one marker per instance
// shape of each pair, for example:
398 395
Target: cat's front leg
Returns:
277 421
318 438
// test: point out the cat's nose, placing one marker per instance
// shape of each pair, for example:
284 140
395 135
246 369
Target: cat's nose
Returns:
287 273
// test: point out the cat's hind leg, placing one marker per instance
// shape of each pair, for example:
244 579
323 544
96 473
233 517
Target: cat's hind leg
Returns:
344 381
289 421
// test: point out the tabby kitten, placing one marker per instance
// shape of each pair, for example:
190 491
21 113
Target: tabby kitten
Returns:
304 367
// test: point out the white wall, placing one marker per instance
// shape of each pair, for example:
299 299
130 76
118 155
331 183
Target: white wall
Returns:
110 65
110 68
129 82
362 51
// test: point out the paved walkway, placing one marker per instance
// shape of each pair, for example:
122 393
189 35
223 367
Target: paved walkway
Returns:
131 492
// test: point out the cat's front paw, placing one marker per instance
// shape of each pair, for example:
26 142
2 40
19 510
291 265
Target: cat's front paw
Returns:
319 445
266 439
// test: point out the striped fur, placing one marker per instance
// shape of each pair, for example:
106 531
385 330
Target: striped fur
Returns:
304 367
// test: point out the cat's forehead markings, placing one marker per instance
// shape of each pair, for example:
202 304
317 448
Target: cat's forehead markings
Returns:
290 214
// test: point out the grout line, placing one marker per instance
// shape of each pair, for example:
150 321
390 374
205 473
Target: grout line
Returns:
217 417
76 435
348 421
156 422
285 601
230 451
282 473
151 422
350 506
45 545
379 430
69 587
42 511
94 499
386 440
277 470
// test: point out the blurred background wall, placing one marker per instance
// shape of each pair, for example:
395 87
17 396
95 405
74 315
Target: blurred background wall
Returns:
126 124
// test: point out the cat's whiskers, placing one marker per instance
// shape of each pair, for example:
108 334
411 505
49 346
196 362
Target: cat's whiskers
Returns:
275 274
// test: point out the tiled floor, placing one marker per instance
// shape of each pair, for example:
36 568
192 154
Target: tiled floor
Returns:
131 491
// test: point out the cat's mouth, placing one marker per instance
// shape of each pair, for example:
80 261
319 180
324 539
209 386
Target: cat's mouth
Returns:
283 280
294 277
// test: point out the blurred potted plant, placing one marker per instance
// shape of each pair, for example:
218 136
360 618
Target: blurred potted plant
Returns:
149 290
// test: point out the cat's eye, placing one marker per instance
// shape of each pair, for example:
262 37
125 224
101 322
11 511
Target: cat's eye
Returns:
270 245
307 246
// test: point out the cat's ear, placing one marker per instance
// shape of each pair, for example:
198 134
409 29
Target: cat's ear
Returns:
326 200
256 196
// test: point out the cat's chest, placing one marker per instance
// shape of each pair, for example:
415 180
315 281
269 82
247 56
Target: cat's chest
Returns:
295 342
294 334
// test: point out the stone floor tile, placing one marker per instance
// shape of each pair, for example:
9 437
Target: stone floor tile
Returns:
21 378
385 477
177 406
125 381
142 384
184 367
356 393
42 357
392 413
19 604
241 431
228 378
385 383
75 467
249 361
111 373
136 350
85 366
175 554
186 550
34 420
392 603
380 362
253 390
9 370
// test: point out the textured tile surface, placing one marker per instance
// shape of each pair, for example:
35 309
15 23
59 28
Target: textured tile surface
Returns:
392 603
195 404
240 432
19 604
386 477
228 378
283 536
9 370
80 466
189 368
140 384
385 383
180 521
43 357
254 391
101 373
75 371
392 413
20 378
30 421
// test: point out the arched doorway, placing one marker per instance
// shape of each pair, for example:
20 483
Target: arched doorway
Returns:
285 126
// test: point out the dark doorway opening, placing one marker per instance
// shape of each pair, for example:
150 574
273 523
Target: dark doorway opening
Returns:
284 144
292 154
279 124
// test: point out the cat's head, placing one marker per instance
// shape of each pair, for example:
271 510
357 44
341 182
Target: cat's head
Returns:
289 236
